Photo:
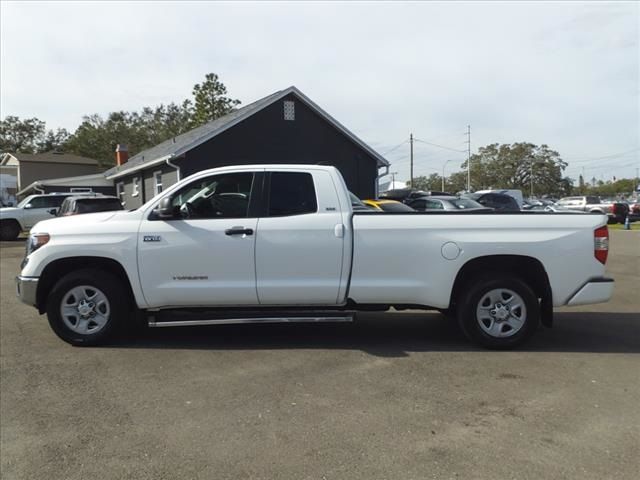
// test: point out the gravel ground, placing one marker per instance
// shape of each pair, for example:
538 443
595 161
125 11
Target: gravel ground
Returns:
392 396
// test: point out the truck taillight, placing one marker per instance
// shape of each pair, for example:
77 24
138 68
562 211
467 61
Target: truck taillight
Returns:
601 244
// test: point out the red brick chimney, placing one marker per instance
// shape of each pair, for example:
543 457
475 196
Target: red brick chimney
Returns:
122 154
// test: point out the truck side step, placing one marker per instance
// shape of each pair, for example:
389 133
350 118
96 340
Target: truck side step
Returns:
182 318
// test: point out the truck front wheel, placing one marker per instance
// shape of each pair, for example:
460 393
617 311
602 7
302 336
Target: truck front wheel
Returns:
498 311
87 307
9 230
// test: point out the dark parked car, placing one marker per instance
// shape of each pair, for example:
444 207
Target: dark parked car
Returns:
88 204
406 195
431 203
500 202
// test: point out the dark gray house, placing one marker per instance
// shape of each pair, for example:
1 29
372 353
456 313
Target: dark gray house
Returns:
22 174
285 127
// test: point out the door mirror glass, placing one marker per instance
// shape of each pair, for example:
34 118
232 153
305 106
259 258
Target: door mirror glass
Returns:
28 206
165 209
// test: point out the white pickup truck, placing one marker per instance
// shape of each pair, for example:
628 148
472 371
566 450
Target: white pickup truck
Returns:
27 213
281 243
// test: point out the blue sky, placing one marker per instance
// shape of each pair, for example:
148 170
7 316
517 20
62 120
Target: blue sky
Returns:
564 74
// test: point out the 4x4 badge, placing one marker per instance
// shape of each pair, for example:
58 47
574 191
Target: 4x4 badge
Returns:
151 238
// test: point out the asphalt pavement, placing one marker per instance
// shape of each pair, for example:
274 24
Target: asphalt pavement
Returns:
391 396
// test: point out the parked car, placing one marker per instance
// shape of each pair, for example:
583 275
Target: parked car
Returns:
299 253
500 202
358 205
428 204
513 193
554 208
88 204
616 211
28 212
388 205
405 195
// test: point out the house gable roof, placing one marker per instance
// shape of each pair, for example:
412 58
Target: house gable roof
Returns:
49 157
174 147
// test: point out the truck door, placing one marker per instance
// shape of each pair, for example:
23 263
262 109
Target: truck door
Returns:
300 240
205 255
38 209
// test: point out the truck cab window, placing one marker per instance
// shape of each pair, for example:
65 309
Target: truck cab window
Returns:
220 196
291 193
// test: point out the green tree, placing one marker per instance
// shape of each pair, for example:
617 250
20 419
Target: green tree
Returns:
54 140
457 182
30 136
97 137
518 166
622 187
432 182
23 136
210 100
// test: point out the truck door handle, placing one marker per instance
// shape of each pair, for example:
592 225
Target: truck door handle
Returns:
238 231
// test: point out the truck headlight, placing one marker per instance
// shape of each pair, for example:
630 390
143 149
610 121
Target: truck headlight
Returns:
36 240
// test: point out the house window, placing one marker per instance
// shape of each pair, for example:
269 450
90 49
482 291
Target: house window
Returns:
157 176
120 192
81 190
135 190
289 110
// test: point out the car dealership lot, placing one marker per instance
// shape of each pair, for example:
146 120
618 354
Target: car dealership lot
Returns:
399 395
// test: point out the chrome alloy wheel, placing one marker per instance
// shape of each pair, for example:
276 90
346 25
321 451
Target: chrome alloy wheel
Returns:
501 313
85 309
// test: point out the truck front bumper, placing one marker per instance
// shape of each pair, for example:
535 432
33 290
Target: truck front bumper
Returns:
596 290
26 288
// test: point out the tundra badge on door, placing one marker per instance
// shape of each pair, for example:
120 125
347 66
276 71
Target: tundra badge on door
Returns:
151 238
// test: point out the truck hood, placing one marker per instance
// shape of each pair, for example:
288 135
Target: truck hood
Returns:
84 223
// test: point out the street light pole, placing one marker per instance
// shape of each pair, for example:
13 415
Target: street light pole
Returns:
445 164
531 179
411 154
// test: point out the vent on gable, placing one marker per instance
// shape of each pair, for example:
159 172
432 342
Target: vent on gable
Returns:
289 110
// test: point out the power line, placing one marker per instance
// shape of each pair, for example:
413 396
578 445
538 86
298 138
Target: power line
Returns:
394 148
605 157
439 146
630 164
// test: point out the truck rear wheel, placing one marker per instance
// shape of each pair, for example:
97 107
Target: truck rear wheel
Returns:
498 311
9 230
87 307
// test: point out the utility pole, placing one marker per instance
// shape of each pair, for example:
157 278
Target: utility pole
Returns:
393 178
411 146
468 142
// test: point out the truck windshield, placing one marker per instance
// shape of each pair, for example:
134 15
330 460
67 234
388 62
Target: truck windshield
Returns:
25 201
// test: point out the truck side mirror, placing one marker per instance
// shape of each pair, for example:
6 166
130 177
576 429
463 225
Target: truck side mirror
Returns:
28 206
165 209
53 211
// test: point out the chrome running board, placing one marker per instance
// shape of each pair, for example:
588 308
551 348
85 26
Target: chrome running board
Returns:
231 321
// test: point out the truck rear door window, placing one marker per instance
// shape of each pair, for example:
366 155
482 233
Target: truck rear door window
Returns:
291 193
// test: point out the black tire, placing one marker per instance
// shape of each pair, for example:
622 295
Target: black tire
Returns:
117 307
479 289
9 230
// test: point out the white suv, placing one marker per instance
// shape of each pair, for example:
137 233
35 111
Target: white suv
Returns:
28 212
